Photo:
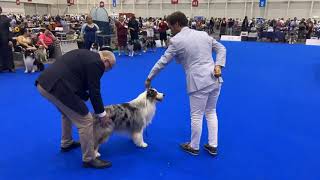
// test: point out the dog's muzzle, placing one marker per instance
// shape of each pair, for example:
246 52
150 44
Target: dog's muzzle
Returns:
160 96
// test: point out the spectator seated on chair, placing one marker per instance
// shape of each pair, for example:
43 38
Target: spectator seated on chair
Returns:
24 41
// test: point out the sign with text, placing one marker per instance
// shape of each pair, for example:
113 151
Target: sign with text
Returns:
114 3
195 3
262 3
174 1
70 2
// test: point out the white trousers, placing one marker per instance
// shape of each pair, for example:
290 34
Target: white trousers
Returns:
204 102
150 33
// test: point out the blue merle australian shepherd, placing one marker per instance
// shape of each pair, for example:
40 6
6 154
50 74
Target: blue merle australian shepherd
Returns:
131 118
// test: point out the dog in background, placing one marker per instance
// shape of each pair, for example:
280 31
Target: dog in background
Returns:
131 118
148 44
94 47
130 48
151 44
41 54
31 62
134 46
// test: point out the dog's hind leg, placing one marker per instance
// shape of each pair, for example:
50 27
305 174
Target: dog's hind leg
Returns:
137 138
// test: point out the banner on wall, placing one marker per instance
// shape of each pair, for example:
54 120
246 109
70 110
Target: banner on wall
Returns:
262 3
17 2
174 1
114 3
70 2
195 3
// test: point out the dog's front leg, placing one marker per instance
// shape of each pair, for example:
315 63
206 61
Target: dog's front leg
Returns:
137 138
96 151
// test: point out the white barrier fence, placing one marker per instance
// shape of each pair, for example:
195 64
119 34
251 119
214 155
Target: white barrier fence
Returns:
314 42
230 38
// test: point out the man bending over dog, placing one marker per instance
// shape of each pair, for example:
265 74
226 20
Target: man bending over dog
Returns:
71 80
193 49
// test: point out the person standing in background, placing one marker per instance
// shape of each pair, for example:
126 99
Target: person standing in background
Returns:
6 60
88 32
122 32
134 28
163 27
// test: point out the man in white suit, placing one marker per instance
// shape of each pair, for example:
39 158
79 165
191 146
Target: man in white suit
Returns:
193 49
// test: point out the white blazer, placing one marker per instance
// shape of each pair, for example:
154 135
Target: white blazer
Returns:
193 50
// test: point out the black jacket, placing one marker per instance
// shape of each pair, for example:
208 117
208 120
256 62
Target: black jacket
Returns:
74 78
4 29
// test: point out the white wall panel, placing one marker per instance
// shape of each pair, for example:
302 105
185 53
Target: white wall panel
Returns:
154 10
183 7
201 10
127 8
316 9
235 10
72 9
42 9
12 7
169 8
217 10
141 10
247 9
299 9
53 10
84 9
277 9
30 8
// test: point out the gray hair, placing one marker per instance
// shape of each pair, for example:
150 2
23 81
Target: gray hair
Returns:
109 55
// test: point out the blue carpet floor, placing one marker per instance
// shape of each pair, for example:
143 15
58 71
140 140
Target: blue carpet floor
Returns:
269 121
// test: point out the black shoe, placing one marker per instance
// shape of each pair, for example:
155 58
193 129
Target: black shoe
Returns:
12 70
187 148
212 150
97 163
74 145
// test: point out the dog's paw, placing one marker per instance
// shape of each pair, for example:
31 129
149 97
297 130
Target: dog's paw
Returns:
143 145
97 154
